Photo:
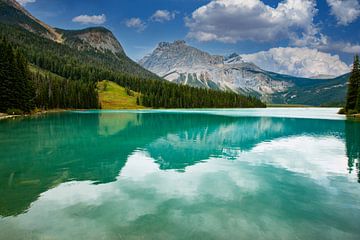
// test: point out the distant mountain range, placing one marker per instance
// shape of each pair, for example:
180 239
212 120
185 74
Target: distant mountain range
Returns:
177 62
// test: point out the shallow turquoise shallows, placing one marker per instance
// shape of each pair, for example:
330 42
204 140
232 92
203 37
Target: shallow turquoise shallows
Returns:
194 174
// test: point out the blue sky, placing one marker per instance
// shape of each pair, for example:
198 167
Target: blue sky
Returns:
217 26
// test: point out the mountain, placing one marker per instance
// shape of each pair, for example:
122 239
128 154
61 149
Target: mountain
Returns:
81 58
98 38
97 47
177 62
183 64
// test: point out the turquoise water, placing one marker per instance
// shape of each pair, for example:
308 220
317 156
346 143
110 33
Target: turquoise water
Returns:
198 174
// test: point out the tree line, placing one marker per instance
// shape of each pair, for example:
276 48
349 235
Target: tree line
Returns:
55 92
353 94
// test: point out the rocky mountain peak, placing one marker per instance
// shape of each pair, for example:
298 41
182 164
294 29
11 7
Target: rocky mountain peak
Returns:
178 54
98 38
183 64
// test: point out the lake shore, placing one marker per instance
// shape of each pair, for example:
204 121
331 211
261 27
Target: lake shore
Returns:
4 116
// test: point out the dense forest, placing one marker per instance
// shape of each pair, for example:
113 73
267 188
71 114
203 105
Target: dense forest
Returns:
79 71
22 90
16 89
353 95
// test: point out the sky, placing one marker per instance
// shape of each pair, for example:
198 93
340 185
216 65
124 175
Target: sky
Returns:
320 35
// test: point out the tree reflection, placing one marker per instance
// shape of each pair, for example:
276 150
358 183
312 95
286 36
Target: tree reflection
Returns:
352 130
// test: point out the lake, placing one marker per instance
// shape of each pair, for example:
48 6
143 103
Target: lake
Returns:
272 173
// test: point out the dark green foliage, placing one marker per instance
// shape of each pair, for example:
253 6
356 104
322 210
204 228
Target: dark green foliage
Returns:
353 87
55 92
16 89
357 107
14 111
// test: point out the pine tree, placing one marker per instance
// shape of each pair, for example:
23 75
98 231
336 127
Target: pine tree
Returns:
353 87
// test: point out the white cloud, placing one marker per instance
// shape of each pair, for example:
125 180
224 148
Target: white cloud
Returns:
163 15
311 38
24 2
235 20
136 23
94 19
303 62
345 47
345 11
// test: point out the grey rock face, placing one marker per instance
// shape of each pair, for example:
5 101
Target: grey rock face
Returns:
98 38
183 64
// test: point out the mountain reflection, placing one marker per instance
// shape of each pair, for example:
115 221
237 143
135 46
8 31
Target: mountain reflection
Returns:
95 146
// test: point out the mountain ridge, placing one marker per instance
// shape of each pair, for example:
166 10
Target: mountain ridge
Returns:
98 38
183 64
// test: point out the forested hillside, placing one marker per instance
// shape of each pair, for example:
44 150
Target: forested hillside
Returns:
21 90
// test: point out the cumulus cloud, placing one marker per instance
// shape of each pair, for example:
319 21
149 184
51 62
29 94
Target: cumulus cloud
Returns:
345 11
345 47
235 20
163 16
94 19
302 62
24 2
135 23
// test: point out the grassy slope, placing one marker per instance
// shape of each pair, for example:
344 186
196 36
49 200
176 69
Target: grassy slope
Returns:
113 97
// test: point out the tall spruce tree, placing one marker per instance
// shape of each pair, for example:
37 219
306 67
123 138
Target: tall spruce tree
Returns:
353 87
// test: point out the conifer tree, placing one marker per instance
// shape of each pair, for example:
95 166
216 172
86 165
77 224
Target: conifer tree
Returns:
353 87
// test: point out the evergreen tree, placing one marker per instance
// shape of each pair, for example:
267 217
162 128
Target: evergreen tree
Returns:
353 87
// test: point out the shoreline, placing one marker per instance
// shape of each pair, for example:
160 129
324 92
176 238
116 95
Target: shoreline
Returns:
354 116
4 116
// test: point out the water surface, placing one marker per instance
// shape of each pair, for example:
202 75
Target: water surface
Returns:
180 174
